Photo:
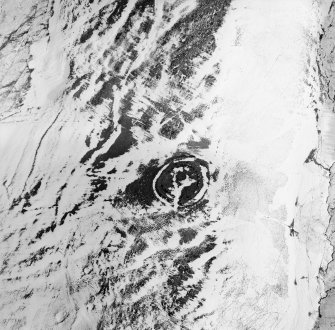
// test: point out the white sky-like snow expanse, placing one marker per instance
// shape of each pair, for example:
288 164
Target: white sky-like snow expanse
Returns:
77 251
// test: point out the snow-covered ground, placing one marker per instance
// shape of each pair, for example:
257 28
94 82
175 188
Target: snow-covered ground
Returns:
98 98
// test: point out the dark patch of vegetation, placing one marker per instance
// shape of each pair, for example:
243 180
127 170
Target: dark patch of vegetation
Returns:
193 170
86 35
15 202
208 264
215 175
187 235
176 300
121 145
121 232
197 31
141 191
72 64
133 288
146 26
194 253
125 140
155 70
139 8
197 112
52 12
74 210
99 184
311 156
146 120
117 12
30 194
80 79
29 294
202 144
59 197
46 230
78 93
104 136
106 91
172 128
210 81
136 249
88 141
113 171
36 188
34 257
101 77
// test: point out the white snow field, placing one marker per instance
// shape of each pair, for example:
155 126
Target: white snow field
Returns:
166 164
